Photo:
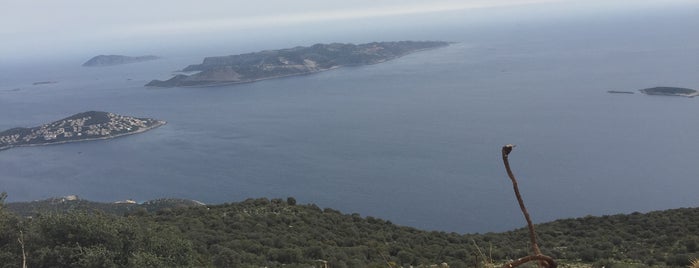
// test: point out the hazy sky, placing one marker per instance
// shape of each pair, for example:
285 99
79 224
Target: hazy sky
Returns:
46 27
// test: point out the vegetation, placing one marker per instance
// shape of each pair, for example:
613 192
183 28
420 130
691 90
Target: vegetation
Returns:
274 233
67 204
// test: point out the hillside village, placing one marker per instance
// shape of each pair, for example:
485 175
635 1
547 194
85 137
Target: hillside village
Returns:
84 126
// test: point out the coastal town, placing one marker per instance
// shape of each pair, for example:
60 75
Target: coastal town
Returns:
83 126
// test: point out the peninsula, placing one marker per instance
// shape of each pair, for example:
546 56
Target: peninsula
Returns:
108 60
79 127
671 91
250 67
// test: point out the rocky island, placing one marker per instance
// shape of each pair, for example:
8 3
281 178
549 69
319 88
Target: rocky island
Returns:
619 92
250 67
671 91
79 127
44 83
108 60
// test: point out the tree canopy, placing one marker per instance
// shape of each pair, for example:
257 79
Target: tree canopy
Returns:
275 233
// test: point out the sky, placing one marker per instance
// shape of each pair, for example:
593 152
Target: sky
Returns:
41 28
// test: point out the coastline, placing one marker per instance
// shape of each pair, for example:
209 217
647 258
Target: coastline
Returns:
230 83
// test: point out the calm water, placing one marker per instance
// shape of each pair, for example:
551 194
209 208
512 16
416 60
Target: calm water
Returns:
415 140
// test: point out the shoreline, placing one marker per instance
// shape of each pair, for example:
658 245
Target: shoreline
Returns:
672 95
230 83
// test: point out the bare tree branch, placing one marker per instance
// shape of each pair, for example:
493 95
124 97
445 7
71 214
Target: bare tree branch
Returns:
24 254
544 261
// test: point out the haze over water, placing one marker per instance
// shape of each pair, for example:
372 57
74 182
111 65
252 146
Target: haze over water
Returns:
415 140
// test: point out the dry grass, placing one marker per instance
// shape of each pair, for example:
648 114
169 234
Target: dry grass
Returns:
694 263
487 261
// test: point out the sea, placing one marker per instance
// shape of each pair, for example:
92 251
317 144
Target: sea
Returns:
415 140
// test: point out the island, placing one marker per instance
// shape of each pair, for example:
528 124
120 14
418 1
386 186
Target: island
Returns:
250 67
109 60
92 125
44 83
619 92
670 91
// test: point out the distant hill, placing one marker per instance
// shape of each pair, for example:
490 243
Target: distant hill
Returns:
280 233
250 67
108 60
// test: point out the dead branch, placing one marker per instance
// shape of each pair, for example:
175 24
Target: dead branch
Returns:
541 258
544 261
20 239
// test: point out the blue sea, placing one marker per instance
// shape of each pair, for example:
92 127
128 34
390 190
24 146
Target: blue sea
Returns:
415 140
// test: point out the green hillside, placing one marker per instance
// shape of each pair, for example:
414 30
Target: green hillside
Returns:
276 233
